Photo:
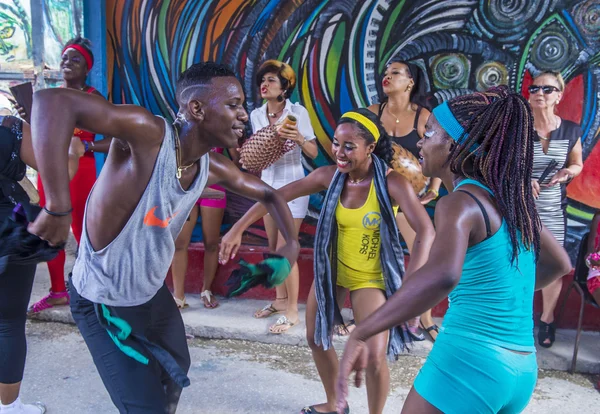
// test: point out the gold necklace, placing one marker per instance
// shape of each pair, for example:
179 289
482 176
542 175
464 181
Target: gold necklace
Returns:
180 168
360 180
392 114
543 138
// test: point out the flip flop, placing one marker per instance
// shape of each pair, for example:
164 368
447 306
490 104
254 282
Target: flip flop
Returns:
345 329
433 327
312 410
269 309
208 295
181 304
282 321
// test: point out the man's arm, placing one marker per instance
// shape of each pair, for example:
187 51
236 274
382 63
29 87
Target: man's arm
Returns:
316 181
224 173
56 113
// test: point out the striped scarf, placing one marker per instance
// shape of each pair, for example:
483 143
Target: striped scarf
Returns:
391 256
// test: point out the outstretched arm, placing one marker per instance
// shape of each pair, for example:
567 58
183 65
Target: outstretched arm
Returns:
417 217
316 181
56 113
226 174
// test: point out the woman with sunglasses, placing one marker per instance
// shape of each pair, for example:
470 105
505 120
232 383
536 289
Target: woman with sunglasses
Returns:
557 160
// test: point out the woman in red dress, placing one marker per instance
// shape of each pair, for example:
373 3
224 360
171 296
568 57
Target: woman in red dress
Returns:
77 60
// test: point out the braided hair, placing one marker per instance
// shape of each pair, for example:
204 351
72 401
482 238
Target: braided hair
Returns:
496 149
383 148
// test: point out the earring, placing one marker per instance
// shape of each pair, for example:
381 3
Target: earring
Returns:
280 98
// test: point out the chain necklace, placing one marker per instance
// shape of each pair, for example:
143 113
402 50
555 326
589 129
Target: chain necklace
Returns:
392 114
274 114
359 180
180 168
543 138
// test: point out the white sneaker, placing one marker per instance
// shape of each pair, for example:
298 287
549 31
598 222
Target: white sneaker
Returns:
18 407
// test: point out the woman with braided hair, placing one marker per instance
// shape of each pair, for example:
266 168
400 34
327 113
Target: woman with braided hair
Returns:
492 254
357 247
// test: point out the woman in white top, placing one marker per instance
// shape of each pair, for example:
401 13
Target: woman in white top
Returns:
276 81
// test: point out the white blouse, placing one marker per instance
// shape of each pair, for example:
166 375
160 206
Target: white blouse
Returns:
289 167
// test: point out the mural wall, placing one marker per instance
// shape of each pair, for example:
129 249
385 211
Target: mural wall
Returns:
339 48
62 20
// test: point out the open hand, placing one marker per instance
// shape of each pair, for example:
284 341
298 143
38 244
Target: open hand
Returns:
53 229
561 177
230 243
353 360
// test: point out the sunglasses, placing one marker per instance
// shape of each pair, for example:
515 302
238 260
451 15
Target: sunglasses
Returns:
547 89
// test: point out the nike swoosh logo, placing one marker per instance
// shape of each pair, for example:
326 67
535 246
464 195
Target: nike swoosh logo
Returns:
151 220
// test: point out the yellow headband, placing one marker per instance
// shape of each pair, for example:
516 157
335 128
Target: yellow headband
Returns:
364 121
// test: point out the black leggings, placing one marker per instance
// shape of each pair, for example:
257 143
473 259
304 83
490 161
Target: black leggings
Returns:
15 290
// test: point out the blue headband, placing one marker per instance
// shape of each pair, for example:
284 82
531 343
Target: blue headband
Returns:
448 121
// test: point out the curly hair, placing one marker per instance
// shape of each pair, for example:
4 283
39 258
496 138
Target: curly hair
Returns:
496 149
284 72
383 148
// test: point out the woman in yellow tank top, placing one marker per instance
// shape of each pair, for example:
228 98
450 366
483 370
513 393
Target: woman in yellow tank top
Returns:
364 220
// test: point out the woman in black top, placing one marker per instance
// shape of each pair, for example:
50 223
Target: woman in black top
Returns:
404 120
16 152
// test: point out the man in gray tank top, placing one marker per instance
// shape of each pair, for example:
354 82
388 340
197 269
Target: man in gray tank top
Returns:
152 177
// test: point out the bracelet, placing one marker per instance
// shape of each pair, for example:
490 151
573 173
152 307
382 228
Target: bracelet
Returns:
58 214
592 256
303 142
435 193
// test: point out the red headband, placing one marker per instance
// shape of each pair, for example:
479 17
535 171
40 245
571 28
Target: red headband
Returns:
86 55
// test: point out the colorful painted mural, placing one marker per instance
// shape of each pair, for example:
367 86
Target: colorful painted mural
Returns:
339 49
15 35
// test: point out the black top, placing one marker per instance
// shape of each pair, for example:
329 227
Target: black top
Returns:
410 140
12 168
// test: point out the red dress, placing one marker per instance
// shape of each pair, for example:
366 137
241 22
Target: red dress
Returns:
80 186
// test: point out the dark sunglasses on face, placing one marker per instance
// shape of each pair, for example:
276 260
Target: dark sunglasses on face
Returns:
547 89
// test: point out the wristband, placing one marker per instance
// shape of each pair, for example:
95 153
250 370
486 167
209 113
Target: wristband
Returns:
86 145
435 193
58 214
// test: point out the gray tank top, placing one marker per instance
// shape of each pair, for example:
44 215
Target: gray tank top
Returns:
133 267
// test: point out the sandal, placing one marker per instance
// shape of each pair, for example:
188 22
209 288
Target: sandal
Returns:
285 322
417 337
345 329
43 304
312 410
181 303
546 331
433 327
268 309
208 295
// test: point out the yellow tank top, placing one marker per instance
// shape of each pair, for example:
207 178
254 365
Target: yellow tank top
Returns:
358 235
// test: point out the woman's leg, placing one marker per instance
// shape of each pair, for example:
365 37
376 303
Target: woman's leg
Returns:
279 304
292 286
409 236
326 361
550 296
416 404
180 258
365 302
15 290
211 231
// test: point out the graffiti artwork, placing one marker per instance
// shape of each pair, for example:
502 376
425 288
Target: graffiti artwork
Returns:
15 34
340 48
